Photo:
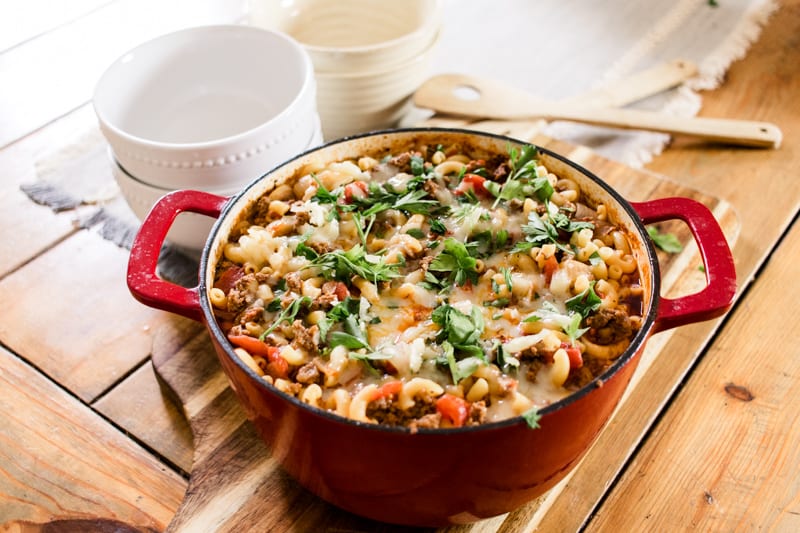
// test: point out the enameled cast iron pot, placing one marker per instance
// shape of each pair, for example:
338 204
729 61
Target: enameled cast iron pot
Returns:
434 477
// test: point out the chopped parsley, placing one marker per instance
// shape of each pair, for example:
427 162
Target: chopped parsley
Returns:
585 302
666 241
540 230
343 265
456 262
532 417
569 322
462 331
287 315
523 181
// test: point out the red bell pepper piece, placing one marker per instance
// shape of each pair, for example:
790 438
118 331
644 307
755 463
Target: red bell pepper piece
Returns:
387 390
227 280
357 189
277 367
453 408
574 354
550 266
472 182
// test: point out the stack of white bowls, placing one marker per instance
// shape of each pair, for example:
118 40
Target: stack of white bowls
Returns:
369 56
208 108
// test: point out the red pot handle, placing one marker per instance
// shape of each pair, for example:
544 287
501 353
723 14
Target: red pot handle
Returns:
143 282
716 298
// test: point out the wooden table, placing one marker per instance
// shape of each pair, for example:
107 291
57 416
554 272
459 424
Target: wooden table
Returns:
90 438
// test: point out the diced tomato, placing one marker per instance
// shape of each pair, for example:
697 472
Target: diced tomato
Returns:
453 408
474 183
387 390
574 354
277 366
227 280
341 291
357 189
550 266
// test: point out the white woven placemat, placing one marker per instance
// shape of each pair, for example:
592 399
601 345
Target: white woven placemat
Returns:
561 48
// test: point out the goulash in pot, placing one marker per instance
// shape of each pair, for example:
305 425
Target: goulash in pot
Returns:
432 288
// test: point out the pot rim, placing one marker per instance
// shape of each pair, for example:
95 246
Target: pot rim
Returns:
635 347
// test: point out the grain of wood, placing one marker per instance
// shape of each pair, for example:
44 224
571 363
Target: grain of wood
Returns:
102 331
60 460
725 452
139 406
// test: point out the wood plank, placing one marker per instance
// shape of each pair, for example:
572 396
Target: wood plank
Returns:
139 406
31 96
733 428
62 461
100 331
765 196
27 229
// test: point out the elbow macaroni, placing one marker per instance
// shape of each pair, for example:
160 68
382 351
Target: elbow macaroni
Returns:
377 303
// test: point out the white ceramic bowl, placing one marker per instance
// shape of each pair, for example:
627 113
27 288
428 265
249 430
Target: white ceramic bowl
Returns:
353 35
208 107
190 230
352 103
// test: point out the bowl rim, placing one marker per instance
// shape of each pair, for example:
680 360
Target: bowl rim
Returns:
432 22
307 91
636 344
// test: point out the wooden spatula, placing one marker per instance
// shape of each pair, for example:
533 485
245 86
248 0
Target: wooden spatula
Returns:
468 96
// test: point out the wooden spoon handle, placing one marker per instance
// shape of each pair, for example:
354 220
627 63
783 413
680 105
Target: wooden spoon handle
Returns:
479 98
637 86
729 131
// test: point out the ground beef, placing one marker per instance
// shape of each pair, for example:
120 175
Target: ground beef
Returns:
308 374
293 282
477 413
305 338
251 314
402 161
431 421
260 213
243 293
330 296
609 326
501 173
321 248
533 369
385 410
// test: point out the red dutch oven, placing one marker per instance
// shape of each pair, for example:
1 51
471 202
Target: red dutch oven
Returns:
442 476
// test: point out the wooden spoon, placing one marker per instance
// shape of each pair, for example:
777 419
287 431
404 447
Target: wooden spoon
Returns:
637 86
468 96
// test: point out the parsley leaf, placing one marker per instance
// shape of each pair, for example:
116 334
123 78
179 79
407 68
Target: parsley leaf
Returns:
522 182
569 322
585 302
532 417
462 331
457 261
379 198
540 231
287 315
504 360
323 195
343 265
666 241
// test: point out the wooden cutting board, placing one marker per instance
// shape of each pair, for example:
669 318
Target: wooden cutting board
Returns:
235 485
